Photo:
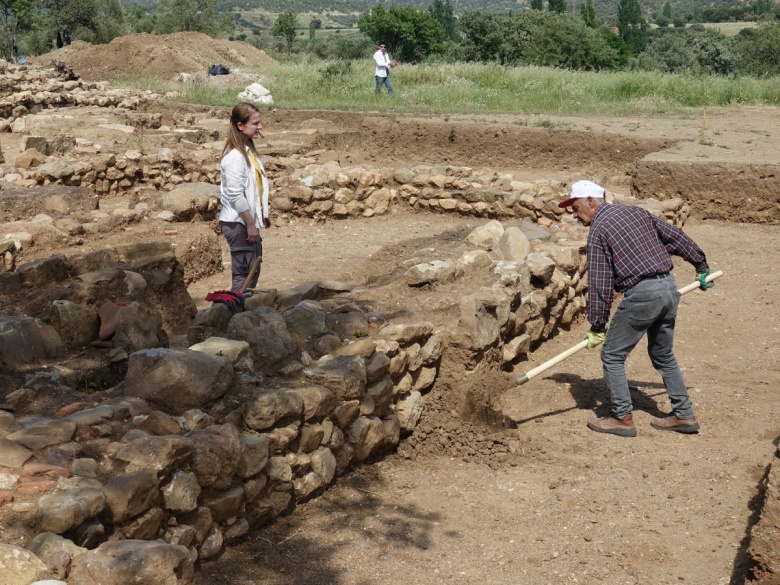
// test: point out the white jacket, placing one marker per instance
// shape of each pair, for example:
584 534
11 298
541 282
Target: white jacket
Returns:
238 189
381 64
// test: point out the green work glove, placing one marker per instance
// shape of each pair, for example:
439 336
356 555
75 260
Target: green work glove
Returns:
595 338
702 278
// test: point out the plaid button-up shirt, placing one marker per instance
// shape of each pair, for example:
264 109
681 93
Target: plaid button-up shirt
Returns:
627 244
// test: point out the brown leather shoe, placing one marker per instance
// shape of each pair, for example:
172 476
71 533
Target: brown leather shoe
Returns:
672 423
623 427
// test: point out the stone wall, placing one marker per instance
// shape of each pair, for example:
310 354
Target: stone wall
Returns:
272 399
304 188
26 90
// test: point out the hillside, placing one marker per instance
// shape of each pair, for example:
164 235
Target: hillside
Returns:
604 8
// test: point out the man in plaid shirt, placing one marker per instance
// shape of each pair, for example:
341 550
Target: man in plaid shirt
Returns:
629 252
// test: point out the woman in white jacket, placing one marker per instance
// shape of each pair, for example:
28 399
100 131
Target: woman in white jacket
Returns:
244 194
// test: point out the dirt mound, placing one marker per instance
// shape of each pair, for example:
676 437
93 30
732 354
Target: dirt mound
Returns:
160 56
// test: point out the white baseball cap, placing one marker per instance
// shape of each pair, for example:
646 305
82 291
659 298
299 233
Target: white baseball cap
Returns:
583 190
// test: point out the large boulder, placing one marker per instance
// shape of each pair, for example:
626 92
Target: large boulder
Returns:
482 315
216 455
486 236
513 245
187 200
266 333
19 566
139 327
181 493
131 494
158 454
77 325
269 408
304 320
140 562
24 340
345 375
63 511
177 380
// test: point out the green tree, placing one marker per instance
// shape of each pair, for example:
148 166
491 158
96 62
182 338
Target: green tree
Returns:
537 4
314 24
588 13
410 34
189 15
285 26
689 50
758 49
442 11
762 7
558 6
536 38
632 25
483 36
139 18
16 17
110 22
78 17
667 11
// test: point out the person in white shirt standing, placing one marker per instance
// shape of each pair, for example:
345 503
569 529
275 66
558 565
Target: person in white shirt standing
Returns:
244 194
382 66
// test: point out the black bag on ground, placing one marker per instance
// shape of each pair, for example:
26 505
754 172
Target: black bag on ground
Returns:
218 70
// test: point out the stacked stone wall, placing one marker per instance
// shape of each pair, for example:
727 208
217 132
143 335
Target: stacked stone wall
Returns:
272 400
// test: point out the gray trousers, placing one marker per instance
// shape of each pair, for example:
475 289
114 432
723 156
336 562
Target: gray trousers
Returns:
649 307
242 253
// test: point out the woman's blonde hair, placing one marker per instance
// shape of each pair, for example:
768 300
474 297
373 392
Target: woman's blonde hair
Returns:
236 139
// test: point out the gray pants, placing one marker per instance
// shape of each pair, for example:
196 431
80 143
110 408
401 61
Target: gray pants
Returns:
649 307
242 254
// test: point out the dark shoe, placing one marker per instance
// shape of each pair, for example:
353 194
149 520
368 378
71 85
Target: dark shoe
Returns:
623 427
672 423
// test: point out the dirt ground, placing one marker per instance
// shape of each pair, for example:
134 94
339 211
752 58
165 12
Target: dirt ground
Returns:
160 56
549 501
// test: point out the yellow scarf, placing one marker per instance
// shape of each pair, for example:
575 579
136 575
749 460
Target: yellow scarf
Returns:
260 175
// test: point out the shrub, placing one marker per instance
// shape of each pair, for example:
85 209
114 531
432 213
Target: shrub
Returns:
535 37
335 71
758 49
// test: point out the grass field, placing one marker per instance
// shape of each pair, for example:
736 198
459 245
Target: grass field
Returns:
729 28
485 89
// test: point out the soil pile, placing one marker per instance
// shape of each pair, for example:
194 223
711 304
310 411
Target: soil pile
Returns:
160 56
